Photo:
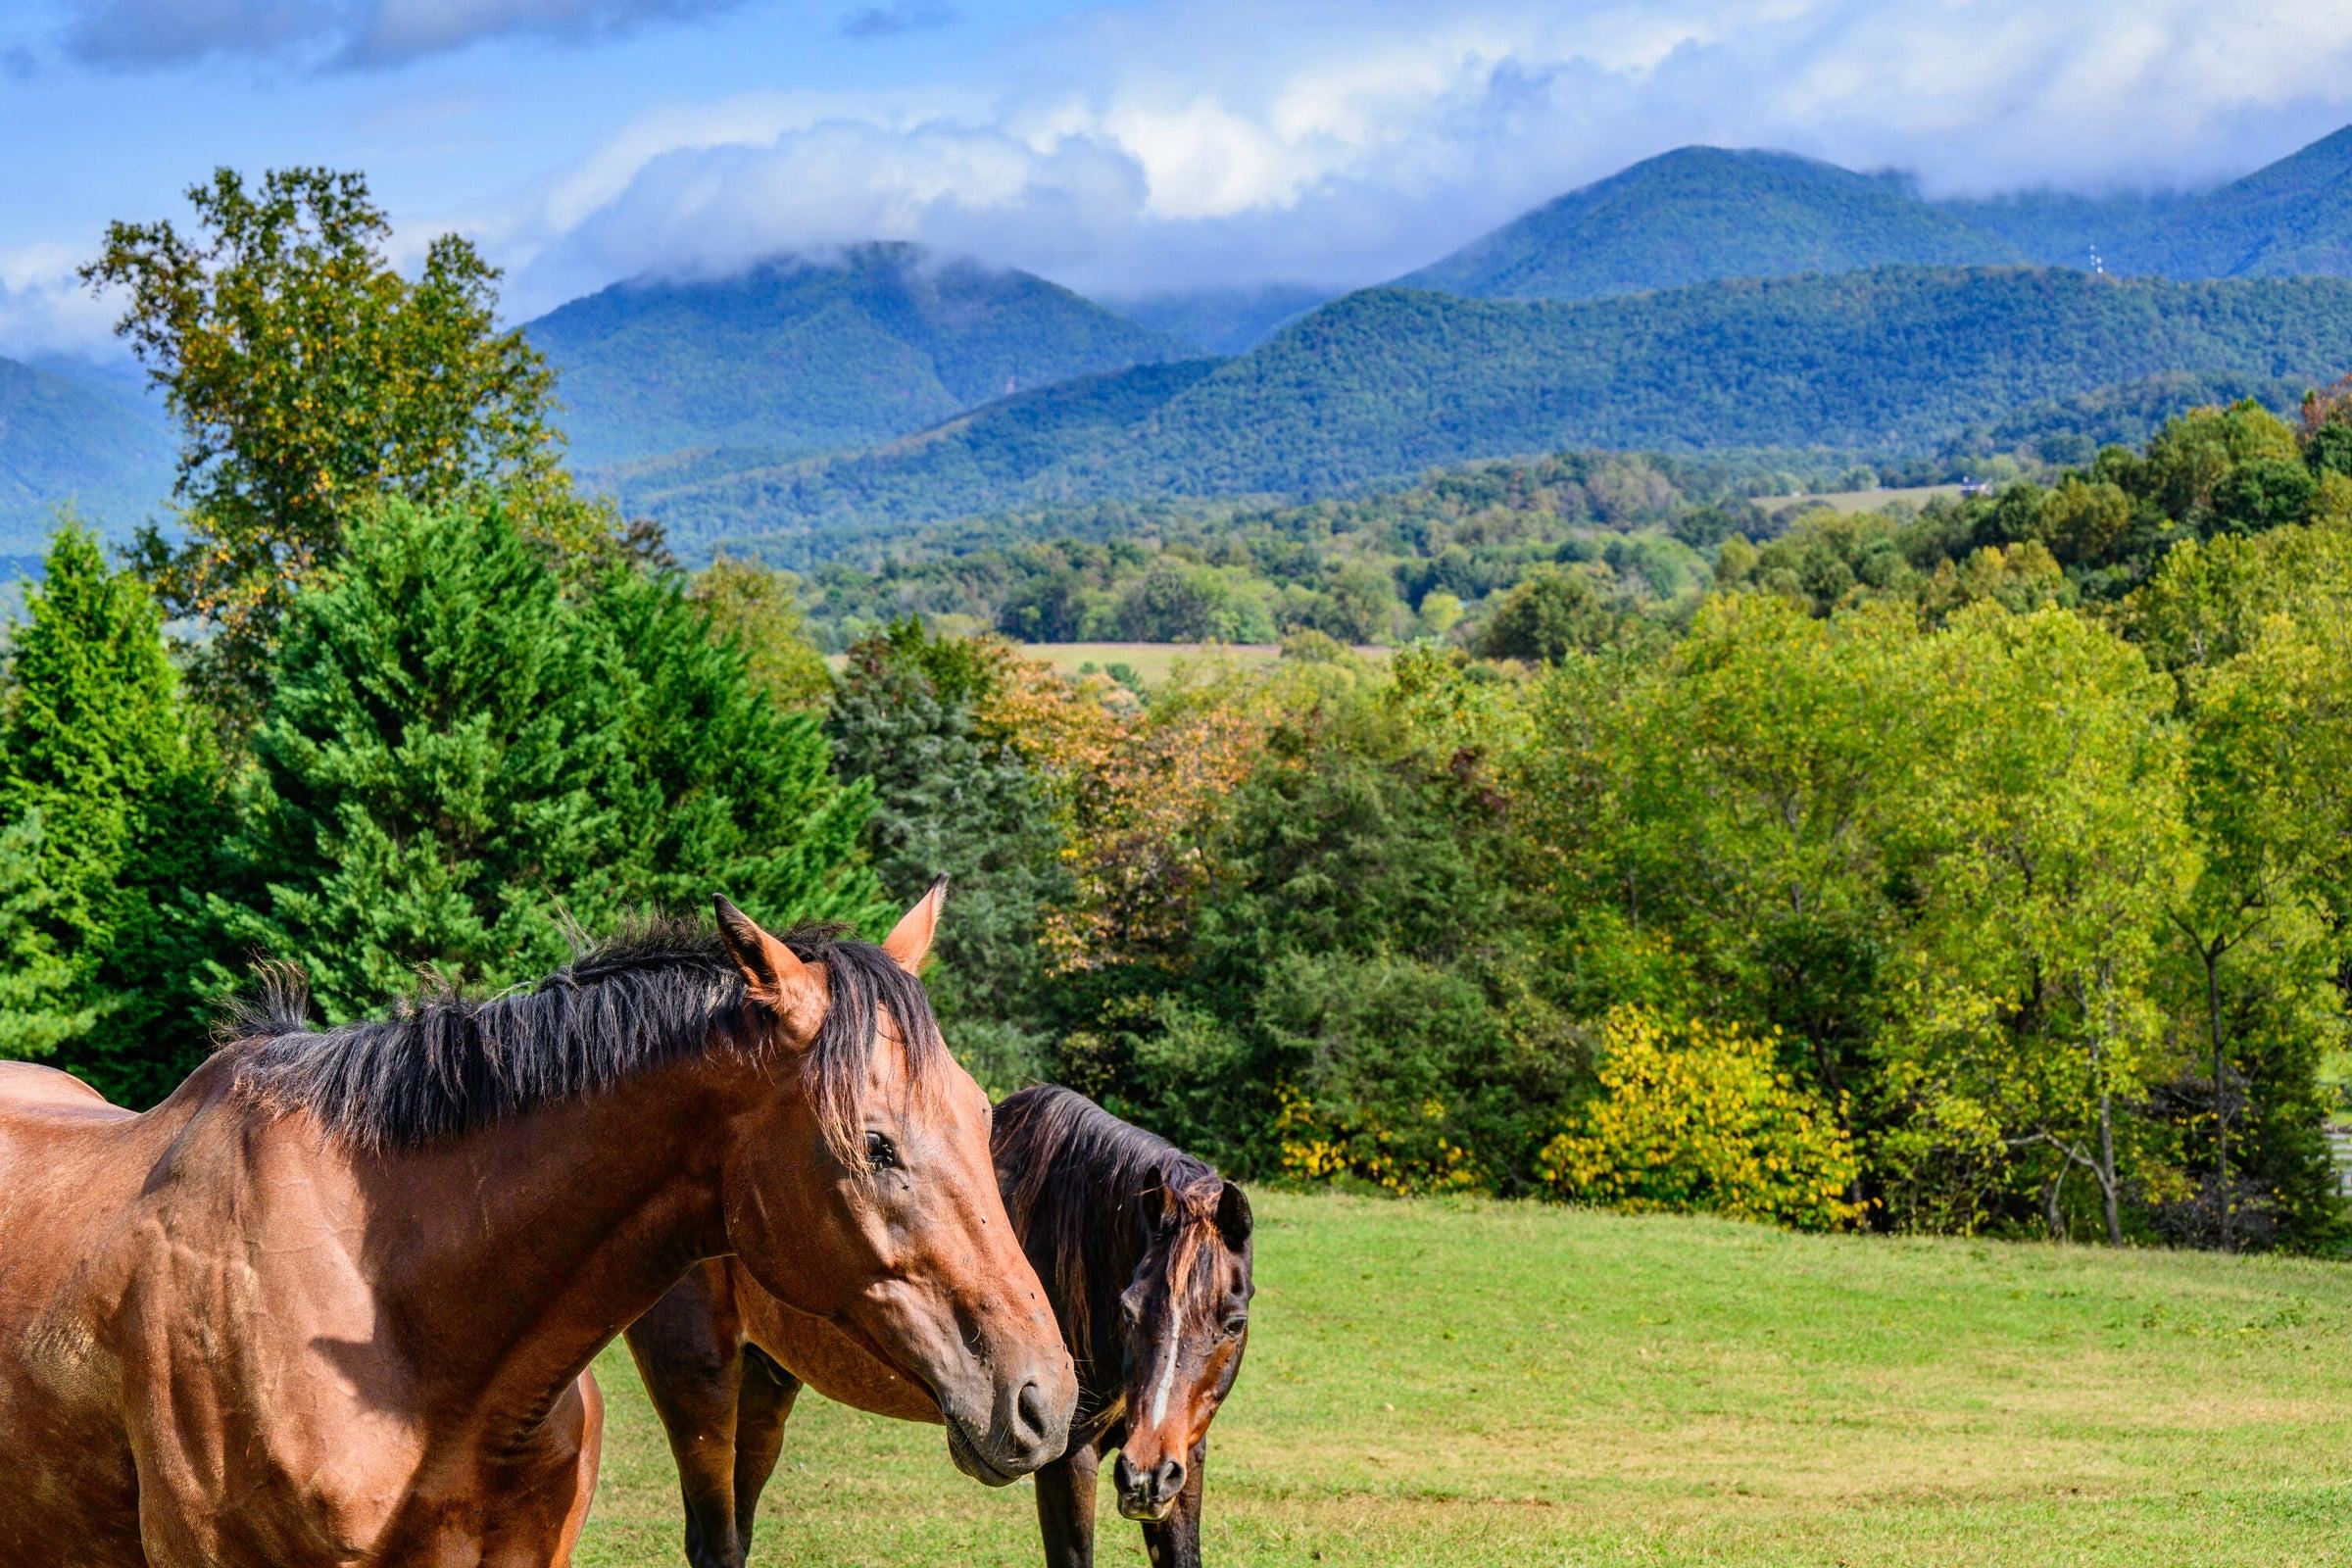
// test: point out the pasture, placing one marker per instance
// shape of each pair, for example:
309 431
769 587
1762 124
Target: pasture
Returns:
1155 663
1862 500
1467 1383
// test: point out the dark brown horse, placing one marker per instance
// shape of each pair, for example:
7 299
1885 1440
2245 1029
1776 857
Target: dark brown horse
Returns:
334 1300
1145 1253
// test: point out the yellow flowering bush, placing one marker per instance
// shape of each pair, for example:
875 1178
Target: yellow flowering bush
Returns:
1319 1147
1699 1116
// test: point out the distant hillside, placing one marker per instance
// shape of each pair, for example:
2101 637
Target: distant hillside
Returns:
1069 442
75 434
1705 213
1388 382
2291 218
1221 321
796 357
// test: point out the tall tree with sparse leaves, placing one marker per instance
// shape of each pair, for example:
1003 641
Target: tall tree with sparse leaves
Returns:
307 374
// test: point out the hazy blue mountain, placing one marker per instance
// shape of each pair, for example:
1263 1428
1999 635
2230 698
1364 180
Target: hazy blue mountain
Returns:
2067 230
78 434
799 356
2291 218
1386 382
1221 321
1705 213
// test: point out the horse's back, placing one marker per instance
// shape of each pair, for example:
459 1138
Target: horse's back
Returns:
53 1127
65 1176
27 1087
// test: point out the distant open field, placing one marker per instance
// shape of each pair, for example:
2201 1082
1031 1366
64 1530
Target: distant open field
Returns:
1464 1383
1153 662
1862 500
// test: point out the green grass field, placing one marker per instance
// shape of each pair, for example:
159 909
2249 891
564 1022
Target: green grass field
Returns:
1155 663
1863 500
1464 1383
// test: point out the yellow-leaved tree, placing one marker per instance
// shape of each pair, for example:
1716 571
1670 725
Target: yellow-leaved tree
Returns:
1699 1116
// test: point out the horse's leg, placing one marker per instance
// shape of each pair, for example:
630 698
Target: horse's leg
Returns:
591 1457
529 1505
689 1350
1065 1510
1175 1541
762 1409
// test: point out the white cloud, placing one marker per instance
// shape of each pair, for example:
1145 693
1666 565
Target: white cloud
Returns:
1237 140
44 309
1179 142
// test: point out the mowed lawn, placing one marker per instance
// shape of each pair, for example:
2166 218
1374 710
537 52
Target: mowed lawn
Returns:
1465 1382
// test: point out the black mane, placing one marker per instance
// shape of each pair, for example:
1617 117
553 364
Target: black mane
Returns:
1080 1176
662 992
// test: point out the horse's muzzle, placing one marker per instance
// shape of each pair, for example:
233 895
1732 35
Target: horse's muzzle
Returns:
1147 1496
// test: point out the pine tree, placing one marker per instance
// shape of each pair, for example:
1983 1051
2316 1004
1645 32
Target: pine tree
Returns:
36 983
952 801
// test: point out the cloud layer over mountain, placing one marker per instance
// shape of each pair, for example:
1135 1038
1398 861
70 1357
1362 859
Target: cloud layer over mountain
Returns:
1176 143
1215 140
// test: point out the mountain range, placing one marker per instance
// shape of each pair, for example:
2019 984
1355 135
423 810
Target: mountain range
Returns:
1705 297
1386 382
1705 213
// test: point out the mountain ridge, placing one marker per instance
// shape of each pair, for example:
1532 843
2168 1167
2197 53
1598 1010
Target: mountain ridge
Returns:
799 354
1385 382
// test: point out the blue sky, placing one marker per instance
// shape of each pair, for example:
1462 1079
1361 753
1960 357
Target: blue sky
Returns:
1117 147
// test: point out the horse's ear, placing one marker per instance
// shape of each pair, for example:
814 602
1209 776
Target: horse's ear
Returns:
1232 1216
1154 1206
910 941
777 977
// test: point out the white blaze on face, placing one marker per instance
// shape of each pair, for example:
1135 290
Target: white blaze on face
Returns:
1180 1265
1168 1381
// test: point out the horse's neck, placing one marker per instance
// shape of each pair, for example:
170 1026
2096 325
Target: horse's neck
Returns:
512 1255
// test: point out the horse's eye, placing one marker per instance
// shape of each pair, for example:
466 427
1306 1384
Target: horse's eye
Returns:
880 1152
1234 1325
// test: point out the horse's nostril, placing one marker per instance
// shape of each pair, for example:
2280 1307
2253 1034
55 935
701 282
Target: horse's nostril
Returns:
1169 1480
1029 1411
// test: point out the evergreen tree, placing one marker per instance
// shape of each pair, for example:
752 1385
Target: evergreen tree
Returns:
424 794
723 788
949 800
36 983
114 791
457 761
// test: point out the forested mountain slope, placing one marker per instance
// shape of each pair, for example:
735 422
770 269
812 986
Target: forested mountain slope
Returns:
1386 382
71 434
799 356
1703 213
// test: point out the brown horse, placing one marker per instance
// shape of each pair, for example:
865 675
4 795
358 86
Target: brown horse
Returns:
1145 1253
334 1300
